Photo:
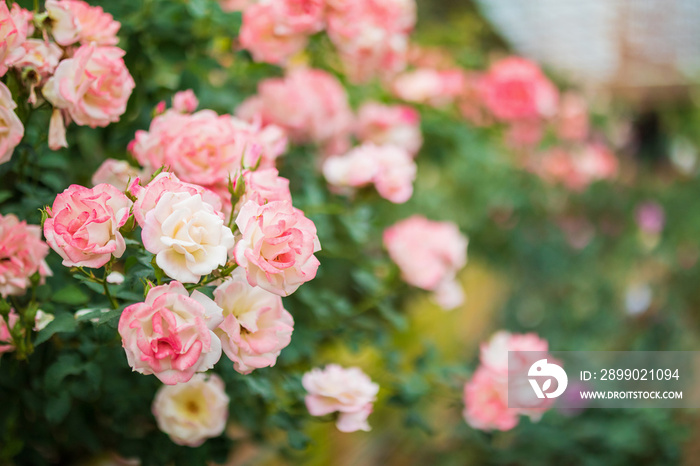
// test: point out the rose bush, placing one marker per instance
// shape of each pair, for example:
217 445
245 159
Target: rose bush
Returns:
225 142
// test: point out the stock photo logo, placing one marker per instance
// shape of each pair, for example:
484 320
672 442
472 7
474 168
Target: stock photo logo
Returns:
541 369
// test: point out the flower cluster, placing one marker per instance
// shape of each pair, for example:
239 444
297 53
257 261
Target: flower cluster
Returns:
347 391
429 255
371 36
80 71
486 394
22 254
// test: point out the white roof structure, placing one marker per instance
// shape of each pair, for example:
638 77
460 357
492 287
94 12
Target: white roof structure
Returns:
612 43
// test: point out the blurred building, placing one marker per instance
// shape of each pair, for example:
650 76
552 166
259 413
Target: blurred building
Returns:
630 46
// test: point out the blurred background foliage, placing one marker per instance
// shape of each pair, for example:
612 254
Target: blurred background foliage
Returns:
83 403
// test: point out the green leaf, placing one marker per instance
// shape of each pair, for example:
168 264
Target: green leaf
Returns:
71 295
63 322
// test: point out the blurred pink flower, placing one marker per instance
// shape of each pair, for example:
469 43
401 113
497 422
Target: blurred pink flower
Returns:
185 101
429 254
348 391
75 20
14 26
118 173
486 403
494 353
515 88
389 167
11 128
310 105
371 35
429 86
398 125
22 254
650 217
572 118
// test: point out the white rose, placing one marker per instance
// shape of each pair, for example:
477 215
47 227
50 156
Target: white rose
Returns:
193 411
187 236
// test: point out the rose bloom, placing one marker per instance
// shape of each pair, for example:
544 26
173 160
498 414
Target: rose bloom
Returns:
572 118
171 334
83 225
398 125
429 86
390 168
193 411
515 88
525 133
93 86
185 101
348 391
650 217
118 173
263 186
575 169
14 26
494 353
11 128
486 403
147 197
39 56
256 327
371 35
277 246
310 105
596 162
187 235
260 36
74 20
202 148
22 254
5 334
429 254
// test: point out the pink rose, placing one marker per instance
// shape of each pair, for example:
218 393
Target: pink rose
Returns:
40 56
494 353
429 86
486 403
575 169
148 196
310 105
261 37
398 125
74 20
203 148
118 173
93 86
429 254
572 118
650 217
263 186
515 88
256 327
5 335
185 101
371 35
348 391
389 167
11 128
14 26
525 133
83 225
187 235
22 254
276 246
171 334
191 412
